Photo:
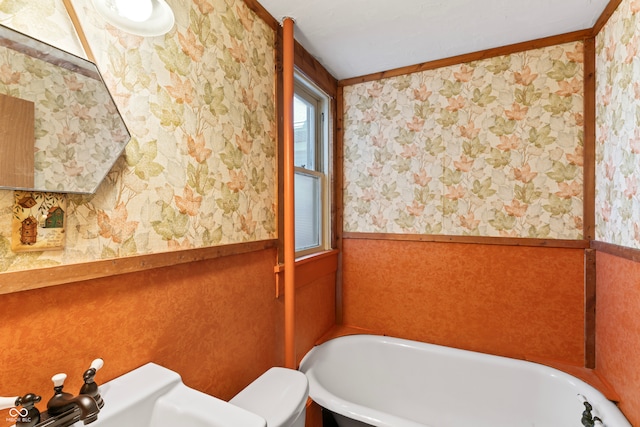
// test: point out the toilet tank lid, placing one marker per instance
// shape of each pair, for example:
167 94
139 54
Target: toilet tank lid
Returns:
278 396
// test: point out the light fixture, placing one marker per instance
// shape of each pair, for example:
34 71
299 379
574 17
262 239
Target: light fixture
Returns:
138 11
147 18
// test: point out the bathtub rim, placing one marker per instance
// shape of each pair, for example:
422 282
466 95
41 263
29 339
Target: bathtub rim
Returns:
333 403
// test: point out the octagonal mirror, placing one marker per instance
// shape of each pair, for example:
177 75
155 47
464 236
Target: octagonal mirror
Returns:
60 130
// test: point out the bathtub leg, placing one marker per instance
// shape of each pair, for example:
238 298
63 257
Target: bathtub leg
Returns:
327 419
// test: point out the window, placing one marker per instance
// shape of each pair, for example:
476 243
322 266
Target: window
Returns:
311 162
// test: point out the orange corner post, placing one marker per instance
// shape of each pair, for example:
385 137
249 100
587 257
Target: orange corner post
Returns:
289 206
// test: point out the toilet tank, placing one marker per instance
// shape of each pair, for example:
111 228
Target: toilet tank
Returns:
279 396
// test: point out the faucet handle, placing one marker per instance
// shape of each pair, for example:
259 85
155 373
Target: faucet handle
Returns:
28 400
8 402
97 364
90 373
58 380
90 387
29 415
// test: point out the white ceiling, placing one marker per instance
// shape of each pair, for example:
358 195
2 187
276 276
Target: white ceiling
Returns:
352 38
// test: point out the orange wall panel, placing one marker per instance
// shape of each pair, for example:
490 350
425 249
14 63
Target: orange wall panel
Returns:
215 322
618 329
507 300
315 312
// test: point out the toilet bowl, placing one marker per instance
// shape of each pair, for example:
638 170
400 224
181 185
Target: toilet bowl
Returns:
279 396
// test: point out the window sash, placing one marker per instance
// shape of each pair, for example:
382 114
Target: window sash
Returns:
310 214
314 102
305 132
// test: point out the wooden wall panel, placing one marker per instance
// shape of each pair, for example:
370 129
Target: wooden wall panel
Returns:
315 312
505 300
215 322
618 329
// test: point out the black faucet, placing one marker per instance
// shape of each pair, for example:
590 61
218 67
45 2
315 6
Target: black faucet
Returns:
29 415
63 404
90 387
63 409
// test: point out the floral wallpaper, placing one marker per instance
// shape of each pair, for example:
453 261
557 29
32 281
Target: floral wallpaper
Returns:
490 148
45 20
617 128
200 169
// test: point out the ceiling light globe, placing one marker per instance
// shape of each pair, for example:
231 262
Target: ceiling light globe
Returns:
134 10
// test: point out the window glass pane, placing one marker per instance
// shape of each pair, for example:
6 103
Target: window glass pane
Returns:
308 211
304 133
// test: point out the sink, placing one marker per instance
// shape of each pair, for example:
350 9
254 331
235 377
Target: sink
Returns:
154 396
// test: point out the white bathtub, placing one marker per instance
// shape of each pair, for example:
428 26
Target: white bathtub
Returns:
383 381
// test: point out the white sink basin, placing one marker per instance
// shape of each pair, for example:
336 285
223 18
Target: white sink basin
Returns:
153 396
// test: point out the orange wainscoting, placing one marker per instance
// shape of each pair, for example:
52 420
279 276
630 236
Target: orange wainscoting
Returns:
216 322
315 300
315 312
507 300
618 329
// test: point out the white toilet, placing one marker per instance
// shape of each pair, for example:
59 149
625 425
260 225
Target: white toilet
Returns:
279 396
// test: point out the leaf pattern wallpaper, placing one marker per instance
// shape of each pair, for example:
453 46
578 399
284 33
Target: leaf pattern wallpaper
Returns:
200 169
487 148
618 128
